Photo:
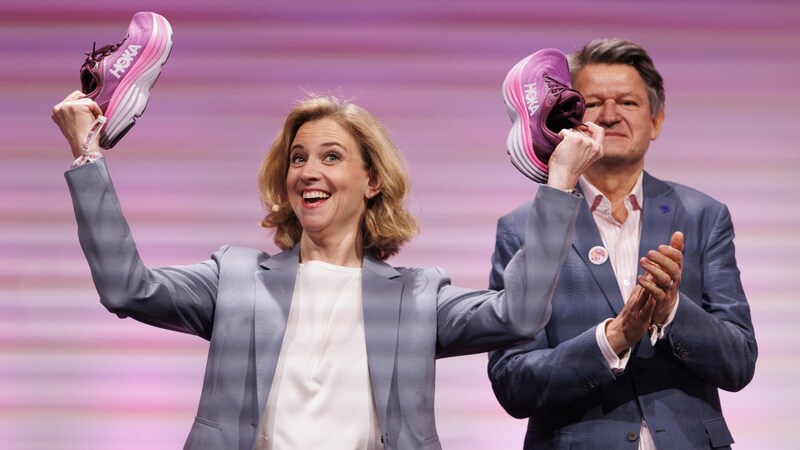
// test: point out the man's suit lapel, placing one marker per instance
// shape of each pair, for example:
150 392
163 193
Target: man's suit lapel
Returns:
273 297
586 238
658 215
382 290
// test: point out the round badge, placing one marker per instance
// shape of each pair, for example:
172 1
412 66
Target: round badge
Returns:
598 255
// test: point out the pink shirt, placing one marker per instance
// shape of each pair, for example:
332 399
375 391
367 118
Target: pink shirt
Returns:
621 241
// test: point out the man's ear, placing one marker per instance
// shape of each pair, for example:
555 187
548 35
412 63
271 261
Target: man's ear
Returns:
657 121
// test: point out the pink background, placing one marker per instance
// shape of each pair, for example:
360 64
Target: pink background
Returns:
73 376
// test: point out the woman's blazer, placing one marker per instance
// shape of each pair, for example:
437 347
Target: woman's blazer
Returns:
239 300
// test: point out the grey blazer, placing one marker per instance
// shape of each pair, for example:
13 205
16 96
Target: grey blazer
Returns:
561 381
239 300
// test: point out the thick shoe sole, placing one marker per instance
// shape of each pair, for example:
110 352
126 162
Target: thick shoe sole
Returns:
519 143
130 98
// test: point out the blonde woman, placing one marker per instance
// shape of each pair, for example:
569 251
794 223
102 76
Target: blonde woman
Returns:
324 345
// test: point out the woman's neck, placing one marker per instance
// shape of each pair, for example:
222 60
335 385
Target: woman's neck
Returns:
346 251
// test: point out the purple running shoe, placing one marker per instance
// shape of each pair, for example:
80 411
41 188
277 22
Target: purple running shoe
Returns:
540 102
119 76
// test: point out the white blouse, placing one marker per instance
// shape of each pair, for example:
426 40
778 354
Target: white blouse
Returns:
321 396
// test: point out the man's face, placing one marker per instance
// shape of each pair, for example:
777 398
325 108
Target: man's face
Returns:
616 99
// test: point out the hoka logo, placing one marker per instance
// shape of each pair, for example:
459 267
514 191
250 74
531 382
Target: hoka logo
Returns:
124 61
531 99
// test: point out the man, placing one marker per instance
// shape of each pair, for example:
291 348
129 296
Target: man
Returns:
615 366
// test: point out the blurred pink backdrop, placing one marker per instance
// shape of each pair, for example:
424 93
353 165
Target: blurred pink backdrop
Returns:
73 376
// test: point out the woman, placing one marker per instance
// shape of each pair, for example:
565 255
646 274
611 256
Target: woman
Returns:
323 345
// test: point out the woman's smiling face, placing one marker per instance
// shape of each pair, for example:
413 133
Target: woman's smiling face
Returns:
327 182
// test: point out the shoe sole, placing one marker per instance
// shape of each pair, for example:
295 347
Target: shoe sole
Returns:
130 98
519 142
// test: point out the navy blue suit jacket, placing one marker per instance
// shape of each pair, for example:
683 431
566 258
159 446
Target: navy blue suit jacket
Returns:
561 381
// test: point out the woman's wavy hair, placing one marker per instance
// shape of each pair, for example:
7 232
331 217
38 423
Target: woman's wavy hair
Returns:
386 224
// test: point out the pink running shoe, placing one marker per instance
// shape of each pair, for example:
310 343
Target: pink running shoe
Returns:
540 102
119 76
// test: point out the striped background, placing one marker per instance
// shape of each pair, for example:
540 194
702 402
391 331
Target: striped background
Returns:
73 376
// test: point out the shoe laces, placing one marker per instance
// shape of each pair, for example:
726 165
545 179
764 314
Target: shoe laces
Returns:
554 85
568 109
98 54
89 76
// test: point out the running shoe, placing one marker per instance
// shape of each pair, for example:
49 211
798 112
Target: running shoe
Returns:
119 76
541 102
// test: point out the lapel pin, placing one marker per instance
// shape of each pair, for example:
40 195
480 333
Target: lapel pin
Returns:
664 209
598 255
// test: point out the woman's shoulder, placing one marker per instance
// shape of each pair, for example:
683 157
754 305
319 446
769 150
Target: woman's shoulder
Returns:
422 273
384 269
230 254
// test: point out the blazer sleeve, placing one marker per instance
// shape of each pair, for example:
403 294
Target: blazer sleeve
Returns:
507 241
533 374
472 322
179 298
713 336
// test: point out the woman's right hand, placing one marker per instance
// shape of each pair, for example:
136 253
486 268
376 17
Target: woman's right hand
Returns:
75 116
578 150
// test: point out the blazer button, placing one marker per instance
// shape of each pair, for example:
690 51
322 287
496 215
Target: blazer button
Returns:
632 436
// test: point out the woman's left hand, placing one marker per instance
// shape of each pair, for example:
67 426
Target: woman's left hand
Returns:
74 116
578 150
